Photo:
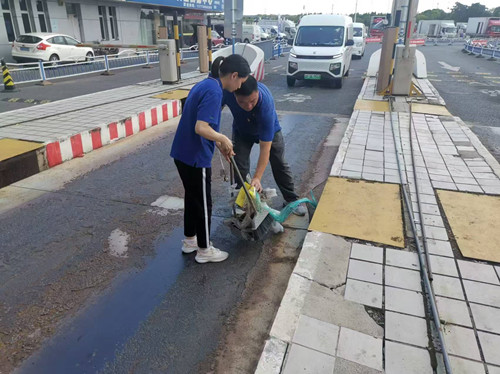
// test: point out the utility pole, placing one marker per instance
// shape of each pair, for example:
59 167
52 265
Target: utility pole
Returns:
355 10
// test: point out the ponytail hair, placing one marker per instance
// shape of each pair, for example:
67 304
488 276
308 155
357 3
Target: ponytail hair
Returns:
223 66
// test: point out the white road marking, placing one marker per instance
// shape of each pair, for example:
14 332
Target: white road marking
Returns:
118 243
295 98
491 93
277 67
444 65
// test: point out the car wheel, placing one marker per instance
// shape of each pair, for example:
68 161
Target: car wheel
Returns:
89 56
346 73
290 81
54 58
246 41
338 82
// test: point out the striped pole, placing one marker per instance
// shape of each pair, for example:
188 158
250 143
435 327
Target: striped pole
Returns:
177 45
8 82
209 32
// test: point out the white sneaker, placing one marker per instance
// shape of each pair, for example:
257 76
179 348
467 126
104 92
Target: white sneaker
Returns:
189 245
211 254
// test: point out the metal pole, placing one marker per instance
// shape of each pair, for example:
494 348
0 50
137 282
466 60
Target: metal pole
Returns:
209 33
355 10
233 23
177 45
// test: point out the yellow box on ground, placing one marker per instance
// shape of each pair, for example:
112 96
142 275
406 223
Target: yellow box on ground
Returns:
475 223
437 110
171 95
372 105
362 210
12 147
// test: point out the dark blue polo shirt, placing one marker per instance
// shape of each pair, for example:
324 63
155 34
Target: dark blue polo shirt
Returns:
261 123
202 104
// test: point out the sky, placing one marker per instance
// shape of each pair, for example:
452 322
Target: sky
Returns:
252 7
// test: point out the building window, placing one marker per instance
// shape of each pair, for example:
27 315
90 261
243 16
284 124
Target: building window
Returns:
103 23
113 23
25 16
42 15
8 20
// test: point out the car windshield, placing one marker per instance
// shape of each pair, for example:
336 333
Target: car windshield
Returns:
358 31
495 28
320 36
29 39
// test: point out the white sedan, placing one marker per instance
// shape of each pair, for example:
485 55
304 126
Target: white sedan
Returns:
43 46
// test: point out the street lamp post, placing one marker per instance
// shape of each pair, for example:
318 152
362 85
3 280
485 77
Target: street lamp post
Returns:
355 10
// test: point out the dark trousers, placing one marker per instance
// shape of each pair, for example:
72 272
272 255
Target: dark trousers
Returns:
281 170
197 202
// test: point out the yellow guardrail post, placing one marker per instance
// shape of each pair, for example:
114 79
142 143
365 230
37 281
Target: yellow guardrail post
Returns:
177 45
209 31
8 82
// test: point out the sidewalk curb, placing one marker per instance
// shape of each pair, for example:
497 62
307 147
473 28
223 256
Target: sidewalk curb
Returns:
77 145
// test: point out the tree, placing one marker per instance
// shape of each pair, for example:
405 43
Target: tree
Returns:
433 14
478 10
459 12
496 12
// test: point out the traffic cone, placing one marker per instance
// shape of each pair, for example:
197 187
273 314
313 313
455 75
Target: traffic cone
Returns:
8 82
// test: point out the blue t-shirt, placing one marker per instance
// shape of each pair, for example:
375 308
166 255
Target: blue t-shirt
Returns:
261 123
202 104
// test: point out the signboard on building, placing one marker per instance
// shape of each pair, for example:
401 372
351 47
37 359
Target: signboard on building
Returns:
206 5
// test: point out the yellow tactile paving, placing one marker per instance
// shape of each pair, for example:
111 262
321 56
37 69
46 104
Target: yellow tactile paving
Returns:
361 210
171 95
438 110
475 223
12 147
372 105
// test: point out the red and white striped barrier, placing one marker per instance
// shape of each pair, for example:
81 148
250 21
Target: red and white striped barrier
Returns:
77 145
377 39
417 41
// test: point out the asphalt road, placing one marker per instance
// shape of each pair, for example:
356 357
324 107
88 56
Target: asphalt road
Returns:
68 306
470 87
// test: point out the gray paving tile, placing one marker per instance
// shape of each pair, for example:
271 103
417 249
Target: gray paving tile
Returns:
430 209
491 190
367 253
352 167
482 293
403 278
478 272
315 334
348 367
301 360
373 177
469 188
463 366
444 185
406 329
453 311
404 301
448 287
364 293
494 369
400 358
433 220
439 247
486 318
461 341
490 345
403 259
360 348
350 174
443 265
365 271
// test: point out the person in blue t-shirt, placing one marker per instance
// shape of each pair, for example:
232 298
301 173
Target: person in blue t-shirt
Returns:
255 121
193 148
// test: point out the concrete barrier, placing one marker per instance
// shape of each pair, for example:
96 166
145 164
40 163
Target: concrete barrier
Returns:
253 54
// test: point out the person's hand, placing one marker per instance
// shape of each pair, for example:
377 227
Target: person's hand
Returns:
225 146
256 183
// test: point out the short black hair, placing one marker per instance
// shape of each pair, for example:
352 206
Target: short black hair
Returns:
247 88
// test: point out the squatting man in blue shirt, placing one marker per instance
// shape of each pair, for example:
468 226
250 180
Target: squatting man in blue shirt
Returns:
255 121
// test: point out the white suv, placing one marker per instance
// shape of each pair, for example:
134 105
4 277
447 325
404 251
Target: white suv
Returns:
49 47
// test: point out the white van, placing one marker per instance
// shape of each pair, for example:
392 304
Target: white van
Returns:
251 34
322 49
359 33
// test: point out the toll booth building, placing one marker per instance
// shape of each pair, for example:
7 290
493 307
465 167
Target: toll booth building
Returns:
106 22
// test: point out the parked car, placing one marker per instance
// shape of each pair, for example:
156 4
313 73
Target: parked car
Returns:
359 33
264 35
322 49
251 34
217 40
42 46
